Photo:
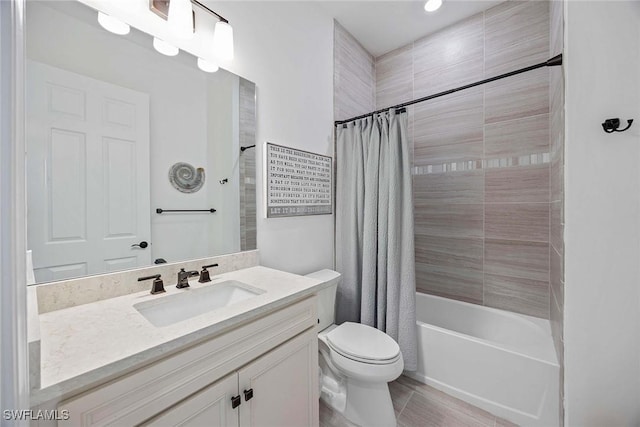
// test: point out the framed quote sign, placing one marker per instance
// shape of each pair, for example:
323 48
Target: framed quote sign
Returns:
298 182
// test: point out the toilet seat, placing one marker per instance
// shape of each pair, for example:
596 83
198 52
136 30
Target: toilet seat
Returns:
367 372
363 344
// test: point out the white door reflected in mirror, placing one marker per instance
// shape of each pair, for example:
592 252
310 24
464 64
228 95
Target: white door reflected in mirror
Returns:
88 174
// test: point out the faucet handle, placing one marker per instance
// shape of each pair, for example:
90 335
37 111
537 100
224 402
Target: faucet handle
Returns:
158 285
204 274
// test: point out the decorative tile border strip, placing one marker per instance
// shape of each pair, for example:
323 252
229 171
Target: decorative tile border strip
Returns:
468 165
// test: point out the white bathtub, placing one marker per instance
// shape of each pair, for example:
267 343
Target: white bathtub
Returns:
499 361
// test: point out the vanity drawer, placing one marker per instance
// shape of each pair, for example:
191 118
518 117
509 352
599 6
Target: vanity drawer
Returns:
141 395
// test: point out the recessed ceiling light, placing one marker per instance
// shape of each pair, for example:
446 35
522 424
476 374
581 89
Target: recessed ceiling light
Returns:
432 5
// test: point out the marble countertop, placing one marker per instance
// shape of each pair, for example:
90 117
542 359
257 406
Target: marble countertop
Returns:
89 344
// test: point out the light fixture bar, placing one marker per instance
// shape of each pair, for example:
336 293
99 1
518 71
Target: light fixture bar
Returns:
161 8
222 42
217 15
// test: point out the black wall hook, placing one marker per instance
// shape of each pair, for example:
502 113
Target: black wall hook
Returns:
612 125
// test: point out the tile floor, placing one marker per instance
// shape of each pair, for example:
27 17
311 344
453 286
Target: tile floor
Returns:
419 405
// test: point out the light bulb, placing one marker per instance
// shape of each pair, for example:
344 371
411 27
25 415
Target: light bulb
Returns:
165 48
207 66
180 19
223 41
112 24
432 5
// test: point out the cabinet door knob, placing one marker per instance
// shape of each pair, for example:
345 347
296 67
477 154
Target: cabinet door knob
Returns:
235 401
248 394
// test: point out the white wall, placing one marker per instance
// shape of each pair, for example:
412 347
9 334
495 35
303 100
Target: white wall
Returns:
286 48
179 113
602 217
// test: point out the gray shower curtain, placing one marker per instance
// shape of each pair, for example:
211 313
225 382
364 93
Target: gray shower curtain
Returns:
374 229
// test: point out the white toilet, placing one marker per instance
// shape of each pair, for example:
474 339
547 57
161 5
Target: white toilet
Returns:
356 363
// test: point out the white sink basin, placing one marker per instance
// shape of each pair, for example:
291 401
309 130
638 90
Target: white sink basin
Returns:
194 302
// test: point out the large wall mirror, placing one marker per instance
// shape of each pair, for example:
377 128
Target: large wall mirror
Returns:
116 131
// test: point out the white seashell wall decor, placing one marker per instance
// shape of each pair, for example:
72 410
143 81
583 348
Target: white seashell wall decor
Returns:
185 178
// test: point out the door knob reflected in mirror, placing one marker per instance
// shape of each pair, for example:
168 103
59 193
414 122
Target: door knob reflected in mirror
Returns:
140 245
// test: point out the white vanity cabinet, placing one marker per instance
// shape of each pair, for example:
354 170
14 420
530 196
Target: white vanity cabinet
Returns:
275 390
263 373
209 407
284 385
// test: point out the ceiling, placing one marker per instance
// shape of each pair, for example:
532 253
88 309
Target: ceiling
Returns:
381 26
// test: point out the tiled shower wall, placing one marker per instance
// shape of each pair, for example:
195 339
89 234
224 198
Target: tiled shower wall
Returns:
481 158
487 162
556 236
353 78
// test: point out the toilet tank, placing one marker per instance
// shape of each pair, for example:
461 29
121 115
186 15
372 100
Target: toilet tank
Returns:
326 297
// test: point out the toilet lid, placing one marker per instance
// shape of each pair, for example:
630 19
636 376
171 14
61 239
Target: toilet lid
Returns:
362 342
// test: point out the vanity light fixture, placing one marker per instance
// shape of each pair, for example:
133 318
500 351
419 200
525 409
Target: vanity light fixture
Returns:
180 19
222 42
113 24
432 5
165 48
207 66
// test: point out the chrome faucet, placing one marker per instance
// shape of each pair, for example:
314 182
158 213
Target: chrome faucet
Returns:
183 278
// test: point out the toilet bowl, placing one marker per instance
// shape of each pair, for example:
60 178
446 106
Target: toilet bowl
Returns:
364 360
356 363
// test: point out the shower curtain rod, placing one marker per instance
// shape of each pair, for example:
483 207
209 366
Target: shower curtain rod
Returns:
555 61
